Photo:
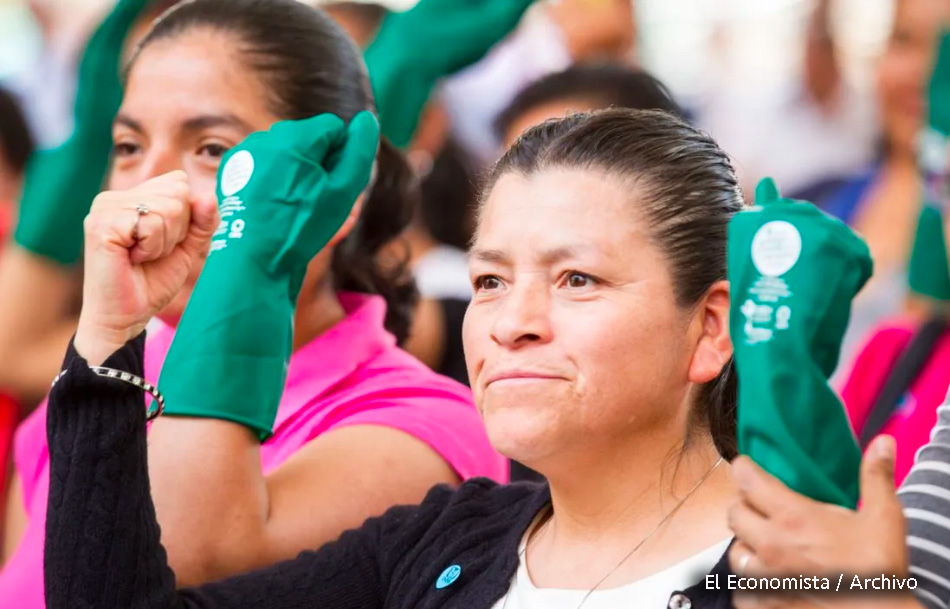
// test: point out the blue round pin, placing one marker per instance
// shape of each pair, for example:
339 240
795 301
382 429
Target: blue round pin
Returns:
448 577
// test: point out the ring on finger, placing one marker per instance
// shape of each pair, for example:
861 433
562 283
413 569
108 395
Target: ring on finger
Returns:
140 210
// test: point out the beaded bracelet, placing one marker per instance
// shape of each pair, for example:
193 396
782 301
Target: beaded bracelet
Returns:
131 379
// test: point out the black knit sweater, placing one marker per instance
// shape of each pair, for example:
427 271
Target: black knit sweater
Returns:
103 547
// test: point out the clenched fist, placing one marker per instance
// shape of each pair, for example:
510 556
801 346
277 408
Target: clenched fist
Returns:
140 246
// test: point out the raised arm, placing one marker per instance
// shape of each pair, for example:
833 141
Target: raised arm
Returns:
103 546
224 375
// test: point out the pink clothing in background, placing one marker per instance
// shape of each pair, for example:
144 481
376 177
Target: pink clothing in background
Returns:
916 414
354 374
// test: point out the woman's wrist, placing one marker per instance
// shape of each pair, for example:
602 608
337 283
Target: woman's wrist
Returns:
95 343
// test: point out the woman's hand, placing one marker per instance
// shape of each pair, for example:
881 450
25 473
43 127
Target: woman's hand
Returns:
136 262
781 533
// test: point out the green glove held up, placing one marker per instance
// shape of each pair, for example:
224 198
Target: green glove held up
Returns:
283 194
62 182
793 272
435 38
928 272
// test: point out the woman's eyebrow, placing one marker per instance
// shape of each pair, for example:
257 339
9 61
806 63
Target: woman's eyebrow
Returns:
489 255
548 256
127 121
206 121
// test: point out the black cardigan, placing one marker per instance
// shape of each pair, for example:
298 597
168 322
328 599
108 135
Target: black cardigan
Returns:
103 548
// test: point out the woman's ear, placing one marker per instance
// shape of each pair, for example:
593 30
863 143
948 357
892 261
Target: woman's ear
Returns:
349 223
714 346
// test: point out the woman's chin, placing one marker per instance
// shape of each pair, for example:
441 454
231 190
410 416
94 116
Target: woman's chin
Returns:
522 436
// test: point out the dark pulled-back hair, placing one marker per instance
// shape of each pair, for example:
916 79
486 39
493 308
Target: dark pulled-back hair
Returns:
16 140
606 85
310 67
686 191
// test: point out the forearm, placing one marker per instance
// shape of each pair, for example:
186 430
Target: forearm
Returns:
210 496
925 495
102 539
222 518
35 321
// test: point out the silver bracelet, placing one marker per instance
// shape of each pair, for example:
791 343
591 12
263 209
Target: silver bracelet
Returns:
158 400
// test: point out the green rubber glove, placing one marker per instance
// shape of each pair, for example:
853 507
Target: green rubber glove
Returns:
793 272
928 271
282 194
433 39
62 182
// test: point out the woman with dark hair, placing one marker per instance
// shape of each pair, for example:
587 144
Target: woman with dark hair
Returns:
361 425
16 146
582 88
598 350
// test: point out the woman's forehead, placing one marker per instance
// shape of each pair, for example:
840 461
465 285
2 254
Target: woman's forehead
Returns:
558 212
191 75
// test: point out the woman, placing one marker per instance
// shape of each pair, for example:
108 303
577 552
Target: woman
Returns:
899 377
16 146
883 202
580 88
599 354
357 412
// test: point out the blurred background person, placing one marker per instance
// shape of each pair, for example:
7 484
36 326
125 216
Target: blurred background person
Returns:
552 37
16 146
820 125
360 20
582 88
882 202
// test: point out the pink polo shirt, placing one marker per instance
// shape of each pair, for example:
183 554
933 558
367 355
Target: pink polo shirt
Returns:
353 374
916 414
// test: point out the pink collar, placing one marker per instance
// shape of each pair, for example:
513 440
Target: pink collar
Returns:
344 348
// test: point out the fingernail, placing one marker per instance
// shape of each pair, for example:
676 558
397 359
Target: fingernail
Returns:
884 447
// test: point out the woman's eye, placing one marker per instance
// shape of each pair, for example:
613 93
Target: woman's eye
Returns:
487 282
579 280
124 149
215 151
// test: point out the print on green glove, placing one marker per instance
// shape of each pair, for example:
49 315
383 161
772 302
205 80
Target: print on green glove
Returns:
433 39
283 194
928 272
62 182
793 272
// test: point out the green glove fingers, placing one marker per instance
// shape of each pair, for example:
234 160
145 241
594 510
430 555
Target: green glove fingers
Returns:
435 38
793 272
351 167
938 112
928 272
766 192
61 183
100 85
283 194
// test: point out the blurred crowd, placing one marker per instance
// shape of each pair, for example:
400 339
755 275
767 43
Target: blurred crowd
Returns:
849 144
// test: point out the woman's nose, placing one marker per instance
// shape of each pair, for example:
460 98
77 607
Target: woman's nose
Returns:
524 316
